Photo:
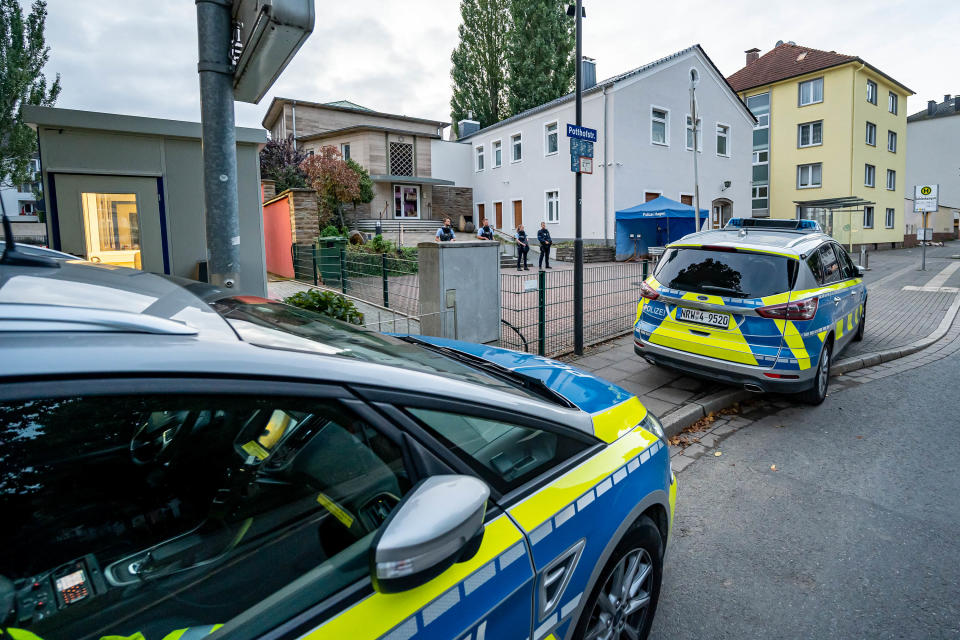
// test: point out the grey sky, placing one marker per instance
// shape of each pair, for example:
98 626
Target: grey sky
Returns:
139 56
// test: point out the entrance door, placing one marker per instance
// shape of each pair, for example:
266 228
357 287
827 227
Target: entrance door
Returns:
480 215
112 220
406 201
517 213
498 207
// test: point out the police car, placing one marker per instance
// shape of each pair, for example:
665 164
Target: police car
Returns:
177 462
766 304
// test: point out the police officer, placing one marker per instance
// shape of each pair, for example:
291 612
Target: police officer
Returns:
523 247
485 232
543 237
445 233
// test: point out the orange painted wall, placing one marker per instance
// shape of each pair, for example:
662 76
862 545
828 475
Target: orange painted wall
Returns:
277 237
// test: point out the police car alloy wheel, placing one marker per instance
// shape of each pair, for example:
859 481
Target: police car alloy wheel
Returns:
858 336
625 599
816 393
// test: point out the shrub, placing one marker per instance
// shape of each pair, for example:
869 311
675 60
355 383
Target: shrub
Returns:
327 303
332 231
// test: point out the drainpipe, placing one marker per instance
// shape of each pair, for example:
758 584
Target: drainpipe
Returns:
294 109
853 137
606 236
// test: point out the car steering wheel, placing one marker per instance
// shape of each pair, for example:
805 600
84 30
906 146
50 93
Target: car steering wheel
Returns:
152 441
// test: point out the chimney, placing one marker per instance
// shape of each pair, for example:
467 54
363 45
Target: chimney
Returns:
588 73
931 107
467 128
946 97
752 55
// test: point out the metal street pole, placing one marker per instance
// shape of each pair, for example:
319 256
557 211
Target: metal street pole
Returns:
693 122
923 245
215 67
578 238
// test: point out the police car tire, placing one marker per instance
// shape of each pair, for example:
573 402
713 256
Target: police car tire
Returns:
858 336
812 396
643 534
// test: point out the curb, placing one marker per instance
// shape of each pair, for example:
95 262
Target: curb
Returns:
870 359
684 416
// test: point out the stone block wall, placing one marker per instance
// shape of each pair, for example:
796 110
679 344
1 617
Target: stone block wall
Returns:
452 202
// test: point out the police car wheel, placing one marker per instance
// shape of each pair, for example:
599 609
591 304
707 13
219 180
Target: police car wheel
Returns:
858 336
821 380
624 599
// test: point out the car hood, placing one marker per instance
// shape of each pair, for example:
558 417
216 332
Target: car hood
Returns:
614 409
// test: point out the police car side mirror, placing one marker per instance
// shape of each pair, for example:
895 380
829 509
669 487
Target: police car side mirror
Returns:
861 271
438 523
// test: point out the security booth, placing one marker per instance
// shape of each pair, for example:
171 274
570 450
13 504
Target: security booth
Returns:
128 191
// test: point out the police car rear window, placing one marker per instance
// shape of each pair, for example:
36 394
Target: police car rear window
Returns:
725 273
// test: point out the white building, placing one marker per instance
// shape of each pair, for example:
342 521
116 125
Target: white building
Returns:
521 165
933 136
19 201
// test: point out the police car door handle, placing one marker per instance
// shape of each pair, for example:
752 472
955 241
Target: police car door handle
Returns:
836 300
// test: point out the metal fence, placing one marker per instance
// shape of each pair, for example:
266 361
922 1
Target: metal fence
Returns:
537 309
390 281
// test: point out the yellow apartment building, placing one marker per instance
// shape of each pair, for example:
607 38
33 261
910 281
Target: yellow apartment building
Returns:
829 126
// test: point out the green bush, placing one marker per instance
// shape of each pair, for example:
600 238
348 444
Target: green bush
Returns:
332 231
327 303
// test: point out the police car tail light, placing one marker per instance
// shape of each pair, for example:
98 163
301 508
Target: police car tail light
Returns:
797 310
648 292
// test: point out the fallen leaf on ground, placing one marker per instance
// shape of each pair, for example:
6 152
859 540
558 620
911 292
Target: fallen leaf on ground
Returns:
717 453
773 467
859 437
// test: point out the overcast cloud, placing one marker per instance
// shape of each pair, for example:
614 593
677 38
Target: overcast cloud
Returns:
139 56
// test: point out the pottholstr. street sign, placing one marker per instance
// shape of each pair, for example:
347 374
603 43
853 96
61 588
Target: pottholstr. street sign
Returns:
584 133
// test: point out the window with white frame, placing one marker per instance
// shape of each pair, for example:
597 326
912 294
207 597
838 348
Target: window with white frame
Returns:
516 148
868 217
809 176
892 141
869 175
759 106
345 151
551 138
479 163
871 92
552 206
659 121
497 147
891 180
723 140
810 92
690 134
890 218
759 196
871 134
892 101
810 134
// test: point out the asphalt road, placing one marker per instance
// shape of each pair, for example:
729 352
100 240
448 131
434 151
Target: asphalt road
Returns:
855 535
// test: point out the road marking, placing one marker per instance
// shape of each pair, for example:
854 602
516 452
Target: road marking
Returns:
935 284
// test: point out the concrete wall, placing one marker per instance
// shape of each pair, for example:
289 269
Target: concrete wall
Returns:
626 162
469 272
452 161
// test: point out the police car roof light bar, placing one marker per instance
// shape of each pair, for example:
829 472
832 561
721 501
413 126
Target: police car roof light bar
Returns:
804 226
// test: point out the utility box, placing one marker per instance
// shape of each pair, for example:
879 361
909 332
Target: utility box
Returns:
460 290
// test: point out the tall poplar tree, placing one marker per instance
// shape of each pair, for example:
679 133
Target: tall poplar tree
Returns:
540 53
479 62
23 54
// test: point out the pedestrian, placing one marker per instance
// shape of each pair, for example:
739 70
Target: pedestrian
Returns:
485 232
523 247
445 233
543 237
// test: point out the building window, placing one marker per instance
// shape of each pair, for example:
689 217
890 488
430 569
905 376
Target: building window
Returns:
27 207
811 92
516 148
759 106
479 152
401 158
345 151
406 201
891 180
892 101
552 203
723 140
690 134
659 121
868 217
759 195
309 153
871 92
891 218
551 142
892 141
871 134
809 176
810 134
497 146
869 176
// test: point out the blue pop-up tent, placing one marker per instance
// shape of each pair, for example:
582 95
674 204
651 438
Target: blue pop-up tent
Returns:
653 224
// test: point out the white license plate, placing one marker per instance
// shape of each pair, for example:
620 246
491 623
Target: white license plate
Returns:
721 320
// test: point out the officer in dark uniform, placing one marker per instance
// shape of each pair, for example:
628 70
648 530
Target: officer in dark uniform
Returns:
543 237
523 248
485 232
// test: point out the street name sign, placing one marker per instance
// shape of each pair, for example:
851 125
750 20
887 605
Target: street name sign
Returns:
926 198
584 133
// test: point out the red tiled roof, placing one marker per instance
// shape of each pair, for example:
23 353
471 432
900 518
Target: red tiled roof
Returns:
785 61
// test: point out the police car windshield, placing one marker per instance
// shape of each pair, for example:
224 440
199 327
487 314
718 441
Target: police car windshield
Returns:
725 273
254 319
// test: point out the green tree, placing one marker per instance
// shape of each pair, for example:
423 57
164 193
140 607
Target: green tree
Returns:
365 183
23 54
540 53
479 63
280 161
